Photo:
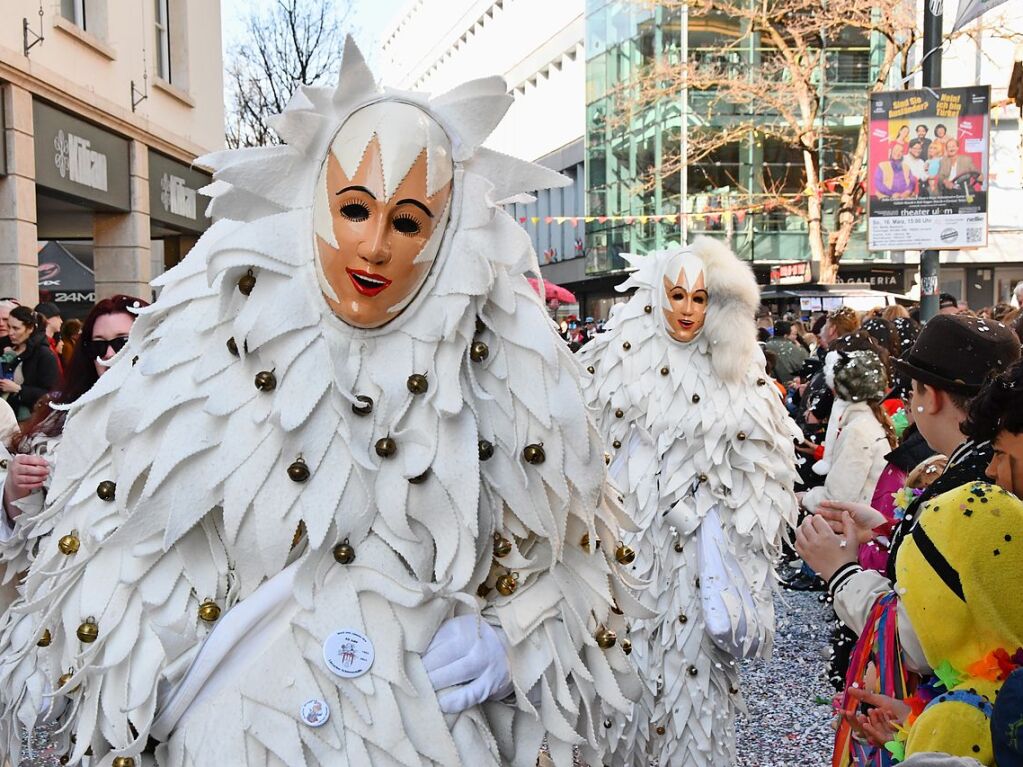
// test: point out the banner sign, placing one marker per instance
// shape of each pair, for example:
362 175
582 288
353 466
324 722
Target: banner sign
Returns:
928 169
972 9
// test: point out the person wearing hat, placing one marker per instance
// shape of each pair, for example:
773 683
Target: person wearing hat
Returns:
943 384
948 304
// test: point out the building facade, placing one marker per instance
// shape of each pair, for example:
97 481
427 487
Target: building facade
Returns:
537 46
636 203
105 106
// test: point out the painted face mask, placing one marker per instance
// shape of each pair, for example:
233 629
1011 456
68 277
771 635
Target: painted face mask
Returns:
381 211
685 298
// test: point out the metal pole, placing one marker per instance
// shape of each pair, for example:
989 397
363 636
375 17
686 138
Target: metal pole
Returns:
930 265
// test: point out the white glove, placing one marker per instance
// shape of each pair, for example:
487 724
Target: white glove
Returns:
467 655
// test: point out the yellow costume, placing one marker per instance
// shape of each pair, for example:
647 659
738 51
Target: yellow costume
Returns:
959 577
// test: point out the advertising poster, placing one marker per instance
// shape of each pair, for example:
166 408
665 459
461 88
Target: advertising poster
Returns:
928 169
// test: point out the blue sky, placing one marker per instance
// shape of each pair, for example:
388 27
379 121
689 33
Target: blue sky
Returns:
370 17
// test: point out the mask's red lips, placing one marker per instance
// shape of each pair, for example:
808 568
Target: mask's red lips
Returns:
367 283
686 324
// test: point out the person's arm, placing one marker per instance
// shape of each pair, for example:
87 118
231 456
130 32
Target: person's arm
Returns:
854 591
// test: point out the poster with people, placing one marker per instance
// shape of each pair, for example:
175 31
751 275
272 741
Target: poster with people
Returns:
928 169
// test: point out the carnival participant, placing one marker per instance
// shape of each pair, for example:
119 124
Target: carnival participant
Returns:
328 500
702 451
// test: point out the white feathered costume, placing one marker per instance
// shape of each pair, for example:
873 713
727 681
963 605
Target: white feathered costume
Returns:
693 427
204 508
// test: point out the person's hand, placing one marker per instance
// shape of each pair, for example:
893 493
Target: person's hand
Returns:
9 386
807 448
468 656
864 518
26 474
822 548
879 724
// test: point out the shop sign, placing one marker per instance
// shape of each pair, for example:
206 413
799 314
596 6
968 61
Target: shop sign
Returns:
890 280
174 198
79 159
791 274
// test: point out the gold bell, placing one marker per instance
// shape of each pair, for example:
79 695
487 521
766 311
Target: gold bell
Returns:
232 346
616 444
298 471
696 398
584 542
479 351
507 583
69 544
88 632
626 346
45 639
648 308
741 436
386 447
679 547
344 553
65 678
534 454
365 408
660 729
106 490
664 371
266 380
761 382
502 546
209 611
486 450
625 554
247 283
627 646
417 383
123 761
606 638
591 370
619 413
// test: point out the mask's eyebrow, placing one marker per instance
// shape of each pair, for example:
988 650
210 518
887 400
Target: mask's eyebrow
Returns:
357 189
410 201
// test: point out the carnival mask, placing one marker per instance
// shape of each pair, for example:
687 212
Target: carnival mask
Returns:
686 301
380 223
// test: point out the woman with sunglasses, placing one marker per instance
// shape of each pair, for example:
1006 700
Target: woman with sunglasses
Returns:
104 333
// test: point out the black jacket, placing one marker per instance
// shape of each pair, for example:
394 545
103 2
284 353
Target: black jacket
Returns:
912 451
38 370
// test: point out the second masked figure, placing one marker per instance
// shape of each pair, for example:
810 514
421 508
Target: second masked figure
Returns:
701 449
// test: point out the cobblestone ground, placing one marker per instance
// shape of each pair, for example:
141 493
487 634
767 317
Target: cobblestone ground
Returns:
786 727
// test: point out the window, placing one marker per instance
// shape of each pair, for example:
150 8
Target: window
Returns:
163 59
73 11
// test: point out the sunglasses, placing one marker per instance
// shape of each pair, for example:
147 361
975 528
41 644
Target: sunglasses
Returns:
97 347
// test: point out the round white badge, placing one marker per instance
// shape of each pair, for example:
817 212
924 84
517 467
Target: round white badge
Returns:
315 712
348 653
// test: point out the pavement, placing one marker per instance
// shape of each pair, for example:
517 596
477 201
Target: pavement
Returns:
787 725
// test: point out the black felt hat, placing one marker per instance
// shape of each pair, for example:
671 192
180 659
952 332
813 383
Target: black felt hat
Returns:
957 354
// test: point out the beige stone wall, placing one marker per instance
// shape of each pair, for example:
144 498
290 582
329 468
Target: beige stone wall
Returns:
88 73
91 71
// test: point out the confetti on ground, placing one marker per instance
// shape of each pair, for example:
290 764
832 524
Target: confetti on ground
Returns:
786 726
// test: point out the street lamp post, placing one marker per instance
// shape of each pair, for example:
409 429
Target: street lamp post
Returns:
929 262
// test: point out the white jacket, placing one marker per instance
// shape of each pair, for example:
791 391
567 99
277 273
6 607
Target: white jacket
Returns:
858 460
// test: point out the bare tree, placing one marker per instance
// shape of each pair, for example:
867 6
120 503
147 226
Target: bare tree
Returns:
781 101
293 43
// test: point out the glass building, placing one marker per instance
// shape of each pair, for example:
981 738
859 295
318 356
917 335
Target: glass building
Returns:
632 163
